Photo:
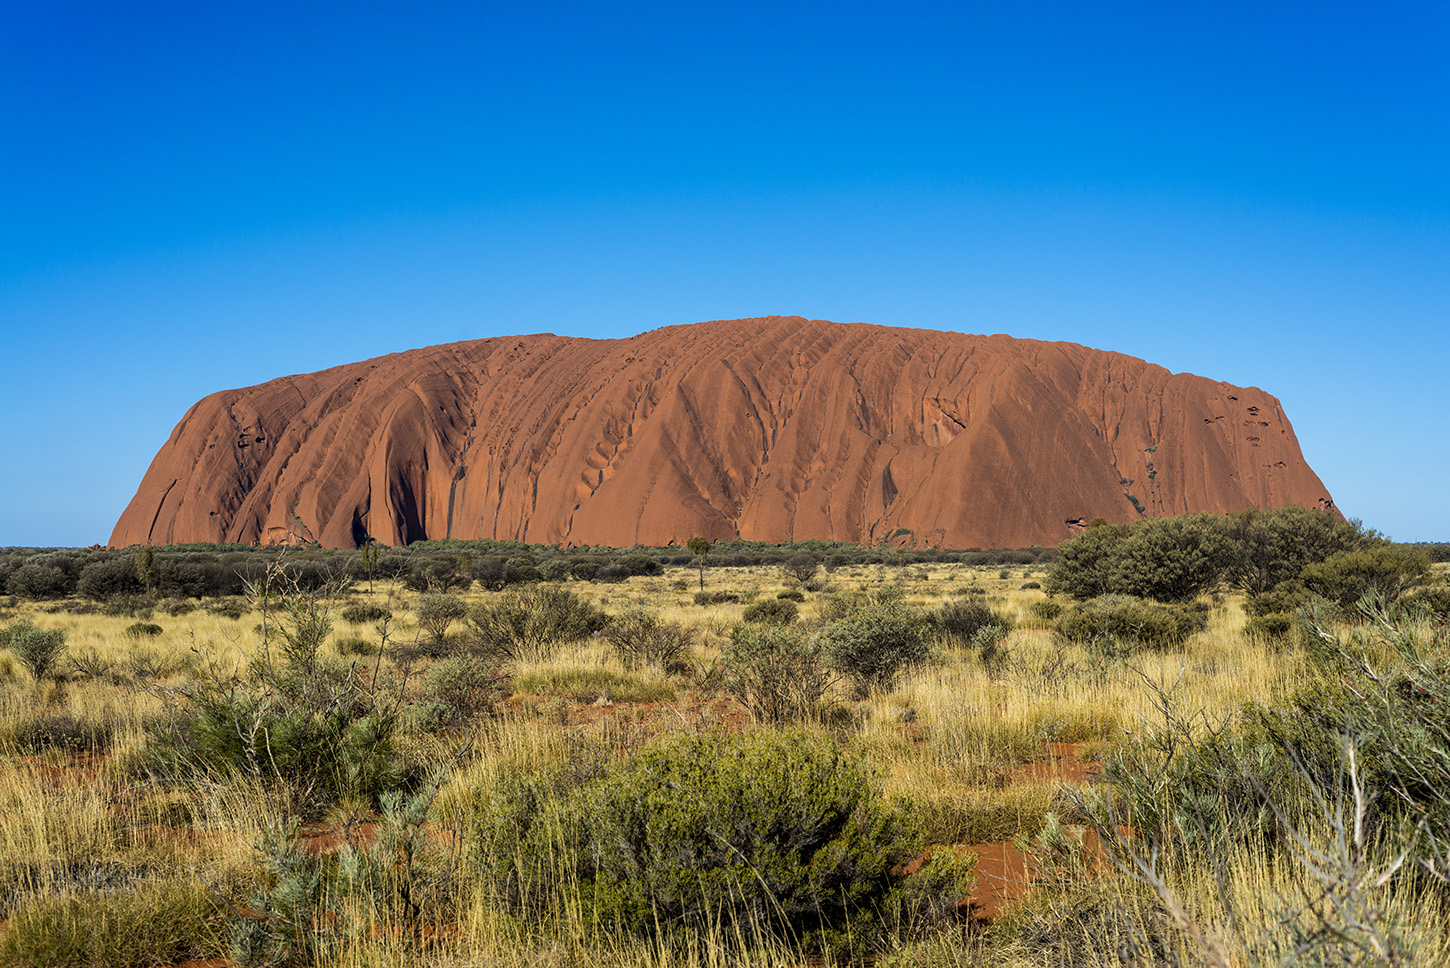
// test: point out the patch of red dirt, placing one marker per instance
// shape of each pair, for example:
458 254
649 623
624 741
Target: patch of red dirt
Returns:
1064 763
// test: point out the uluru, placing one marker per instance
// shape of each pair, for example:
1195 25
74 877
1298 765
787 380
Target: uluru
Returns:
771 429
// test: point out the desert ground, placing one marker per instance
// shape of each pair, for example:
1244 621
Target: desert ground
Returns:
1065 802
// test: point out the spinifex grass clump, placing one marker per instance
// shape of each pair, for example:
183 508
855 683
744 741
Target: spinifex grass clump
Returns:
758 833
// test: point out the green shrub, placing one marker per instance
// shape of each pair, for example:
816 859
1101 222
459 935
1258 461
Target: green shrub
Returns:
772 611
1271 627
437 611
1286 597
875 643
314 727
1386 572
1046 610
1274 546
641 637
1434 600
361 614
769 833
776 671
354 645
792 595
227 609
763 829
801 568
467 686
133 927
1111 622
532 624
143 630
959 620
38 731
38 649
716 598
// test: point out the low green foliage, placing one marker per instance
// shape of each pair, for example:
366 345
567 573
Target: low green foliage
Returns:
874 643
1386 572
1117 623
133 927
772 611
778 672
363 613
143 630
38 649
771 833
641 638
437 611
587 685
959 620
532 624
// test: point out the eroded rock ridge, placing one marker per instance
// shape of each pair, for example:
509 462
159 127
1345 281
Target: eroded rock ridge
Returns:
769 429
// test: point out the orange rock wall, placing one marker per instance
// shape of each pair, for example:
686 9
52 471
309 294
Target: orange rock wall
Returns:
769 429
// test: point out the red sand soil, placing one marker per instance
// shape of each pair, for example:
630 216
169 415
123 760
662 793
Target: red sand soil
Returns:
767 429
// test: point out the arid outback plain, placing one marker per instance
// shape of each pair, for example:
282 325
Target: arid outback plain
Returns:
762 642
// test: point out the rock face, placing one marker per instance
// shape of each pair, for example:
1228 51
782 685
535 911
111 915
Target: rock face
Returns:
769 429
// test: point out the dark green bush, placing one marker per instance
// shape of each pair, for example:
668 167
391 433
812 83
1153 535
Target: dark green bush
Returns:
801 568
323 733
103 580
363 613
769 833
776 671
533 623
1434 600
226 609
716 598
40 579
959 620
316 728
772 611
792 595
761 830
468 686
143 630
1047 610
38 649
641 637
437 611
1271 626
1113 622
355 645
1275 546
875 643
1386 571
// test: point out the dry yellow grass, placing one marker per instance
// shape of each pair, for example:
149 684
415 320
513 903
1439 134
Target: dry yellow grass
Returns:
951 735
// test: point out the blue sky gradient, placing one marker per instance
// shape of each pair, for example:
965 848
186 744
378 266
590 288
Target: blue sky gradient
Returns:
197 198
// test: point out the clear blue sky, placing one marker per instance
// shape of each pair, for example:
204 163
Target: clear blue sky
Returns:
199 196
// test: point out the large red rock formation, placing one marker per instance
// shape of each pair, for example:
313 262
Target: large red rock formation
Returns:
771 429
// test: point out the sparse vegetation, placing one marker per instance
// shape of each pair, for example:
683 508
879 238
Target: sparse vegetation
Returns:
597 769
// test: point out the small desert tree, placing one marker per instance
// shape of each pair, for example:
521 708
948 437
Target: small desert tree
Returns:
437 611
801 568
699 547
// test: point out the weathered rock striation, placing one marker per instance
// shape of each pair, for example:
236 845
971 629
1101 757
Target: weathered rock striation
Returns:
770 429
